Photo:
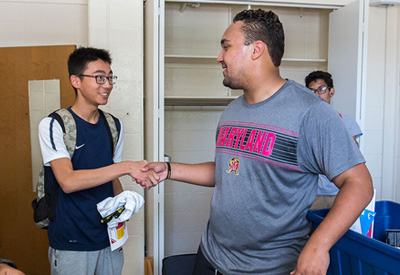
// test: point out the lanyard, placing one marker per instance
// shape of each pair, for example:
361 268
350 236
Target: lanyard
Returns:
116 214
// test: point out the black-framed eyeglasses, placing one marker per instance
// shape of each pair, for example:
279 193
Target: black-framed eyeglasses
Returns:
320 90
101 79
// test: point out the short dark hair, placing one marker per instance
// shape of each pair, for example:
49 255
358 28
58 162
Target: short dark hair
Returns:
325 76
265 26
78 60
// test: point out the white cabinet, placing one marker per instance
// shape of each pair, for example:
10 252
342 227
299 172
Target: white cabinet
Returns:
348 40
183 79
192 35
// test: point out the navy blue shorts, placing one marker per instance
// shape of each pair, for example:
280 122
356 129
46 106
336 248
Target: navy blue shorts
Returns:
202 266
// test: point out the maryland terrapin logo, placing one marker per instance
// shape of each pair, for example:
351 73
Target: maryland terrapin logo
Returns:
234 166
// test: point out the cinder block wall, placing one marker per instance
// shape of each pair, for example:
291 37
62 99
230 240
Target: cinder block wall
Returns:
117 25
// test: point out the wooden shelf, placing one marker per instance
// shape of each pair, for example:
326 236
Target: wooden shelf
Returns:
197 101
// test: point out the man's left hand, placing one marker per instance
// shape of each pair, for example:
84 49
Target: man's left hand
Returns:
312 261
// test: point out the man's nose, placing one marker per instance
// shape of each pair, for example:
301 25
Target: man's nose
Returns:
220 58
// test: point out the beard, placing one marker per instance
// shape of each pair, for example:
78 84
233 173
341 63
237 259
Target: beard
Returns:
231 83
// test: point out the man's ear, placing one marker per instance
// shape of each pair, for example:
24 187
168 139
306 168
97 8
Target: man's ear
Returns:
75 81
332 92
258 49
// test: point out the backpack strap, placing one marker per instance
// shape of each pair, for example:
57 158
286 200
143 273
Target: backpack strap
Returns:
112 130
42 183
68 125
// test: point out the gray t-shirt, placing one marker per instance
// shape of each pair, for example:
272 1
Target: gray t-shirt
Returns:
268 157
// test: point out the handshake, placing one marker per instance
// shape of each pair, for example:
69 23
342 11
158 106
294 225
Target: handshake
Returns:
147 174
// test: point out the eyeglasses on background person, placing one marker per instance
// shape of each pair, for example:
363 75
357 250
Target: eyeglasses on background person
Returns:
321 90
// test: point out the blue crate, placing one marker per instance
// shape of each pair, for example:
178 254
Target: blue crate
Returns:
355 254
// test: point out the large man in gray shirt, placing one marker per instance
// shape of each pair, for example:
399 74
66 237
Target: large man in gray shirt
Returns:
272 143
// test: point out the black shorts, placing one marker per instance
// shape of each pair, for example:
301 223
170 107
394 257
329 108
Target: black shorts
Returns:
202 266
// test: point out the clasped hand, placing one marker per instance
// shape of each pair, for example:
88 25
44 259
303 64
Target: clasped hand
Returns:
147 174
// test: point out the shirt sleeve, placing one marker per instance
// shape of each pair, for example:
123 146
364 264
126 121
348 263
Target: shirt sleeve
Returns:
352 126
325 146
120 145
51 140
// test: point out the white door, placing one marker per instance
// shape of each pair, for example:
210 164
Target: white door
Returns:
347 56
154 126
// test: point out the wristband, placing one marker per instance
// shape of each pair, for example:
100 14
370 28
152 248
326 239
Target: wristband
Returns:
169 171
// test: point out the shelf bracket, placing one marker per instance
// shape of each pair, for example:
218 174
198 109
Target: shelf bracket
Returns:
183 7
193 5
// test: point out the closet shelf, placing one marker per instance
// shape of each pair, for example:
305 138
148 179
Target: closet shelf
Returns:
183 58
197 100
317 4
304 60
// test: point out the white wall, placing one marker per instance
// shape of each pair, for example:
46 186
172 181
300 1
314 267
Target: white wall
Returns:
33 23
117 27
189 138
395 22
373 133
382 101
397 174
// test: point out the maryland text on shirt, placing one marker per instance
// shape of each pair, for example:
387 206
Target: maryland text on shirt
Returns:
260 142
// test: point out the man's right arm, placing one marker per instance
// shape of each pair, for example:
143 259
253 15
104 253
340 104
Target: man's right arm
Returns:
199 174
71 180
55 154
356 191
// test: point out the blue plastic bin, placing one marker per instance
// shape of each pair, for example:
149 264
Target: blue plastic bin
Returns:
356 254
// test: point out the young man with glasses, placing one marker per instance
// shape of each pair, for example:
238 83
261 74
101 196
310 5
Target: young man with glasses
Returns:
79 242
321 83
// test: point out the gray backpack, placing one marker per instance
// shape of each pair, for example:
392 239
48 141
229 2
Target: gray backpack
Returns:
44 206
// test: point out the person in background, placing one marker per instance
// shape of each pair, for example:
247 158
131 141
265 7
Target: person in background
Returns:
8 267
79 242
321 83
271 144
